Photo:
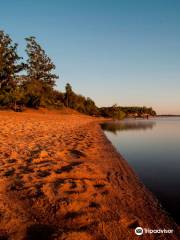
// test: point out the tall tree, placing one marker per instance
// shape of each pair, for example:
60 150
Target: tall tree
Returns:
9 69
9 62
39 65
40 75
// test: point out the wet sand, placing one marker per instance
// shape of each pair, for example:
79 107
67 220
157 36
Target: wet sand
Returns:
60 178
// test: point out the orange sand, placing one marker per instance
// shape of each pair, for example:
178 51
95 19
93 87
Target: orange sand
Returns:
60 178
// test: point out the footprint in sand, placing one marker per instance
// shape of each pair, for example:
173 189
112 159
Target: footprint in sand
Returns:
94 205
25 169
72 215
102 188
11 160
67 168
81 221
43 173
99 185
9 172
77 153
16 185
35 191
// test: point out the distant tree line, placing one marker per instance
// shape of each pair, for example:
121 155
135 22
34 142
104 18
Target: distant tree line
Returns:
118 112
32 83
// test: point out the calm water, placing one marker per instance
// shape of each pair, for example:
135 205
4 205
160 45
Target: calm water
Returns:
152 148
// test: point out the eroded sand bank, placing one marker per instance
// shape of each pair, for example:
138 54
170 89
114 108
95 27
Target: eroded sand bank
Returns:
60 178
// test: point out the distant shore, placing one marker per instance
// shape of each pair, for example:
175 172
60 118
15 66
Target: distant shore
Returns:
61 177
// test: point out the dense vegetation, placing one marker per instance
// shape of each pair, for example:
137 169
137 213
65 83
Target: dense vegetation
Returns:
32 84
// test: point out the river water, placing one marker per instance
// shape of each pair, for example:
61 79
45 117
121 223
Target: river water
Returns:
152 148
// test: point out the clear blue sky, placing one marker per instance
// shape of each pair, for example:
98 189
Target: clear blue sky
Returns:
125 51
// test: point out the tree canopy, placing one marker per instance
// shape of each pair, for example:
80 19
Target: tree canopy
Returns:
9 69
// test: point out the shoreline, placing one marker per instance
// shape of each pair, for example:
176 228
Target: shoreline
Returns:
61 176
147 212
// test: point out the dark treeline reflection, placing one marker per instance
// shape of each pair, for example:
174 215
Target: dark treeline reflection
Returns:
116 126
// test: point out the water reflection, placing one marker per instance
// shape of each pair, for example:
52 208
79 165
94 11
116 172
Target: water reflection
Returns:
126 125
151 147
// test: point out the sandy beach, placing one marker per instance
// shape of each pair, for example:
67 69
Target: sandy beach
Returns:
61 178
